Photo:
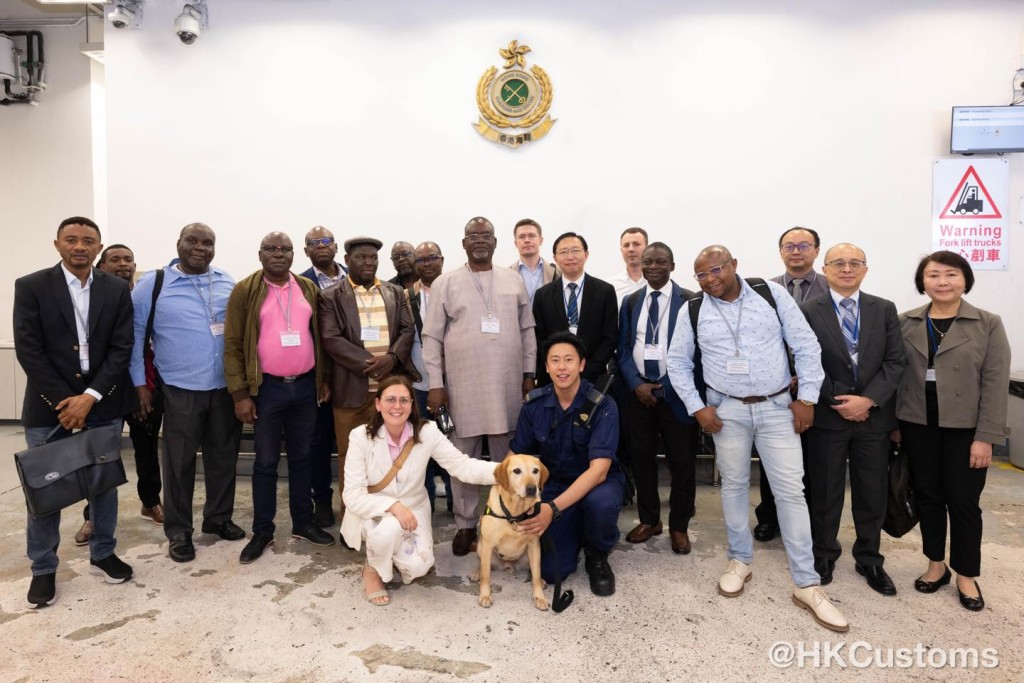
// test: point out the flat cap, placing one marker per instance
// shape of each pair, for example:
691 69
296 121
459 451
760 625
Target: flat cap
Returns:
354 242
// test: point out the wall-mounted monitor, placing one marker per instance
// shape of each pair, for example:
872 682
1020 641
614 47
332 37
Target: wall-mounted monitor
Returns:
987 130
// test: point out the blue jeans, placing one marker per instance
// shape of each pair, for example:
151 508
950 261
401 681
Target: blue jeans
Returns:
43 534
769 426
288 407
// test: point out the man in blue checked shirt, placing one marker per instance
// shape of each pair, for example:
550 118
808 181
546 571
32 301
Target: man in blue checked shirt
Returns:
743 338
188 353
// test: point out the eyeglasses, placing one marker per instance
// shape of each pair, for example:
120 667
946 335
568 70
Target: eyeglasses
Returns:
424 260
855 264
574 251
320 242
715 271
789 247
400 400
271 249
401 255
479 236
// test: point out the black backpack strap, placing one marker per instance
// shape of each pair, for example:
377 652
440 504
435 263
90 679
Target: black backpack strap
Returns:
761 287
158 284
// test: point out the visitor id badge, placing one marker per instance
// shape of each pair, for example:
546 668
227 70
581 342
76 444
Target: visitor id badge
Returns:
737 366
217 329
490 325
83 353
369 334
291 339
929 375
652 352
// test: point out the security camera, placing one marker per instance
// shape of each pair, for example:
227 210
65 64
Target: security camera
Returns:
190 23
125 15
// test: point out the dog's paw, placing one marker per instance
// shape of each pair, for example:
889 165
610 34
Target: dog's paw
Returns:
474 575
485 601
541 603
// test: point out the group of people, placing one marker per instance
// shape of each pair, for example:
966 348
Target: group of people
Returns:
422 375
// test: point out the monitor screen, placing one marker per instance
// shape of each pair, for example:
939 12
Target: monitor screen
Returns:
987 130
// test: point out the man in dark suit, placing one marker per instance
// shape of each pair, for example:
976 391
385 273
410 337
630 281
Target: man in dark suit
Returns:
579 303
653 409
321 249
73 336
862 354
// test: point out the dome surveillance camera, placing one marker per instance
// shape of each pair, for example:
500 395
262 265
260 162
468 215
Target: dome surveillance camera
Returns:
120 17
189 24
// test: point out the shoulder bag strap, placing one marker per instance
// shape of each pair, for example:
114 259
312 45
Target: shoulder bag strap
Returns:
395 466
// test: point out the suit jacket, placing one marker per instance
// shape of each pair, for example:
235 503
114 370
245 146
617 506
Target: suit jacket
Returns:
629 319
310 274
46 343
972 369
550 271
880 361
598 326
340 331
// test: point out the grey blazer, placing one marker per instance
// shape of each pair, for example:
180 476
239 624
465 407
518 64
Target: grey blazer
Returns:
972 370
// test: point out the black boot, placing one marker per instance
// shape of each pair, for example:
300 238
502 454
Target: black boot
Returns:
602 579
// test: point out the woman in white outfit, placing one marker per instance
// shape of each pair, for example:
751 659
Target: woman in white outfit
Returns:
395 521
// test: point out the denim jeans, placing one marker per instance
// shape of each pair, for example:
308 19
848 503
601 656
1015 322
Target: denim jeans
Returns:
769 426
43 534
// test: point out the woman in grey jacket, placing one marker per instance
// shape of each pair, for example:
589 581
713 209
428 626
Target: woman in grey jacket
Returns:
952 409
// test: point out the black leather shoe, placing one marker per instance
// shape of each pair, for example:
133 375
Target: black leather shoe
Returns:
766 532
464 542
42 591
974 604
112 569
323 515
254 548
602 579
824 568
313 534
180 548
878 579
227 530
923 586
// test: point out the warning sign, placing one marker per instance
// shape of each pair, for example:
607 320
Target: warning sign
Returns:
969 200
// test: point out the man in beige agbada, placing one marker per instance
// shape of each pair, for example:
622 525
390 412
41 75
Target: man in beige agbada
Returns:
480 355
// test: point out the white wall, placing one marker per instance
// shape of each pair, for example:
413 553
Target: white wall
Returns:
701 121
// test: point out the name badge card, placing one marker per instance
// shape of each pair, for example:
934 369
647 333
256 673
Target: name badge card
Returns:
291 339
737 366
929 375
217 329
490 325
573 328
369 334
652 352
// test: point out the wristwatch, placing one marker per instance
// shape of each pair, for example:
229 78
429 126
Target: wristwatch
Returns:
529 375
807 403
555 512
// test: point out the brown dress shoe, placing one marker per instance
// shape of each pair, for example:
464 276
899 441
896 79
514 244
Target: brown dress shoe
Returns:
680 542
84 534
155 513
643 532
464 542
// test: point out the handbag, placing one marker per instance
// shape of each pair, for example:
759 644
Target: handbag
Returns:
69 467
901 510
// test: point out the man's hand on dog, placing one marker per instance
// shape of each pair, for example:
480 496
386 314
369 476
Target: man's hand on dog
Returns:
404 516
539 524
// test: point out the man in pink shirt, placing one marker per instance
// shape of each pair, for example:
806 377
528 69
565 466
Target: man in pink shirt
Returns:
274 369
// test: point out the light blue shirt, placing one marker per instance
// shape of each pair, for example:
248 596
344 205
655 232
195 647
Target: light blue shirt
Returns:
186 352
762 343
533 279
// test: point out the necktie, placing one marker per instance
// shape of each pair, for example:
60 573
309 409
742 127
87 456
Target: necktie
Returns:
798 289
849 307
651 370
572 309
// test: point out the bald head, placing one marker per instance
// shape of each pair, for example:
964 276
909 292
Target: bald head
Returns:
276 254
715 251
845 247
479 243
321 249
428 262
715 270
845 267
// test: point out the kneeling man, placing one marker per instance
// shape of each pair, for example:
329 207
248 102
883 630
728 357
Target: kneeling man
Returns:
574 430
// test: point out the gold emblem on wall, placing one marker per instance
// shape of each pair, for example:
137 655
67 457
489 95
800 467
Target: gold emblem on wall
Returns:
514 104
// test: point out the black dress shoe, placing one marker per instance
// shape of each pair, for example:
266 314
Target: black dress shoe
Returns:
824 568
227 530
974 604
313 534
602 579
323 514
877 578
766 532
180 548
42 591
923 586
254 548
464 542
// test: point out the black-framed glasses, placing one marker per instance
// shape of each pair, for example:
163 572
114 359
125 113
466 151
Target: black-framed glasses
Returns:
854 264
271 249
320 242
401 255
714 271
803 247
479 236
424 260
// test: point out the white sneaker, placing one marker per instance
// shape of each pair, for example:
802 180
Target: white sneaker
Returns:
814 600
731 583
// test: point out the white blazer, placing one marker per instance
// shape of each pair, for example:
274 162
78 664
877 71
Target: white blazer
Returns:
368 460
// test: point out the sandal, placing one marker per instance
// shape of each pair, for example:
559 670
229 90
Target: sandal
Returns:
379 597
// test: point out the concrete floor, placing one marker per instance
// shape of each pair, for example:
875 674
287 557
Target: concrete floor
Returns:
298 613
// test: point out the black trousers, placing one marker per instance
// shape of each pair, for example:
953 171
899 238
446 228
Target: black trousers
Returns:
145 436
828 451
681 445
946 486
324 444
194 419
765 510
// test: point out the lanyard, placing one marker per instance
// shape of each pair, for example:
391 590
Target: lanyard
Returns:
739 321
208 302
856 325
367 309
480 289
286 312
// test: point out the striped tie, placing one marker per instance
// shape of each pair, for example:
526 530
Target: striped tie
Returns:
849 327
572 309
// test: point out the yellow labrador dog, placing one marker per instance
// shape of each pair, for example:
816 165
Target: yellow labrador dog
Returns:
516 495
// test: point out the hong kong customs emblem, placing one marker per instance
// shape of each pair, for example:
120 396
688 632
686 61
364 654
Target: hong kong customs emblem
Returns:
514 103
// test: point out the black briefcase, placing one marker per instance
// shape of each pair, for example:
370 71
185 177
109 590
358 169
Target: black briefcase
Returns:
70 467
901 508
